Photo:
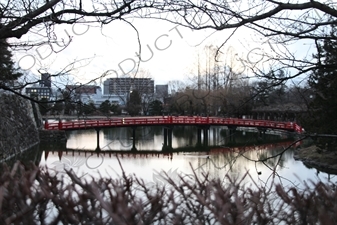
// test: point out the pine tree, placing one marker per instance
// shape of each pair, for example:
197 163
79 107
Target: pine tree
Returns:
323 81
156 108
8 72
133 106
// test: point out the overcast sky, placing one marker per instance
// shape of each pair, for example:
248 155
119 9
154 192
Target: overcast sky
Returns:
169 52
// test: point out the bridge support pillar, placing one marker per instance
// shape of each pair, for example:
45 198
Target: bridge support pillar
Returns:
98 148
232 130
262 133
202 142
205 129
167 138
199 129
134 139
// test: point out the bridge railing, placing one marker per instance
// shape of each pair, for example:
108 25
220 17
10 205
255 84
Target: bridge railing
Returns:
164 120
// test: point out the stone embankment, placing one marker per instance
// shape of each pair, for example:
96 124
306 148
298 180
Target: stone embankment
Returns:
20 121
52 136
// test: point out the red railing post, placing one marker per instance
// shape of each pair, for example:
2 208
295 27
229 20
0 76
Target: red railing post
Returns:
46 124
60 125
298 128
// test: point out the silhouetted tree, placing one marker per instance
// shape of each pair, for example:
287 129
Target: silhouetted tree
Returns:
324 82
69 105
44 106
133 106
156 107
8 72
105 107
87 109
116 109
57 107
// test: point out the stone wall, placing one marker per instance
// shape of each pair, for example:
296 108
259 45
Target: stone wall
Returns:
53 136
20 121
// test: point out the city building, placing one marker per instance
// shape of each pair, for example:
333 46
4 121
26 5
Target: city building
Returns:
123 86
161 92
93 94
45 80
38 92
42 90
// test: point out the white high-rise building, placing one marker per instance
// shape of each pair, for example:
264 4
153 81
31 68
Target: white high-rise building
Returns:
123 86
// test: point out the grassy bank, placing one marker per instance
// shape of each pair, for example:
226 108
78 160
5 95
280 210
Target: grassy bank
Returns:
325 161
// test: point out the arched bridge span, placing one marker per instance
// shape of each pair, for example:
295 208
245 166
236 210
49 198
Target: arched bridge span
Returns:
171 120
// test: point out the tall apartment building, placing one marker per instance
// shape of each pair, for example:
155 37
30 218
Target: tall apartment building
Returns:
45 80
124 85
43 90
38 92
162 90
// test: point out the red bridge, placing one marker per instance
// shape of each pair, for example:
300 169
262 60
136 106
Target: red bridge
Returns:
171 120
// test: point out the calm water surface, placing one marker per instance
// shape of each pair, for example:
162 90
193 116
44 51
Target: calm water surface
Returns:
226 154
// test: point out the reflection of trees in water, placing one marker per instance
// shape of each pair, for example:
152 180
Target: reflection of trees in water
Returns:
148 138
269 156
116 137
123 136
126 132
237 161
185 135
145 133
273 158
157 130
218 165
181 131
249 137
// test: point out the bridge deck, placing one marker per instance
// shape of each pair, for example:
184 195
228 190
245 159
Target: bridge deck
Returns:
171 120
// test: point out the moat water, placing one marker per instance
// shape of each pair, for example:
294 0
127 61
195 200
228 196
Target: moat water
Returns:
226 155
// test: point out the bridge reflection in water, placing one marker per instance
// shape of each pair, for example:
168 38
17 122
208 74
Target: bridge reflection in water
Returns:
152 138
224 149
209 150
217 160
117 144
226 152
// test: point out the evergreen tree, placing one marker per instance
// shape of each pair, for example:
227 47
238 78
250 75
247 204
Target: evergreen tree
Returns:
323 81
105 107
133 106
116 109
44 106
57 108
156 108
88 109
8 72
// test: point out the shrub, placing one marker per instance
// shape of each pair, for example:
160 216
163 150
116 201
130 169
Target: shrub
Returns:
31 195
